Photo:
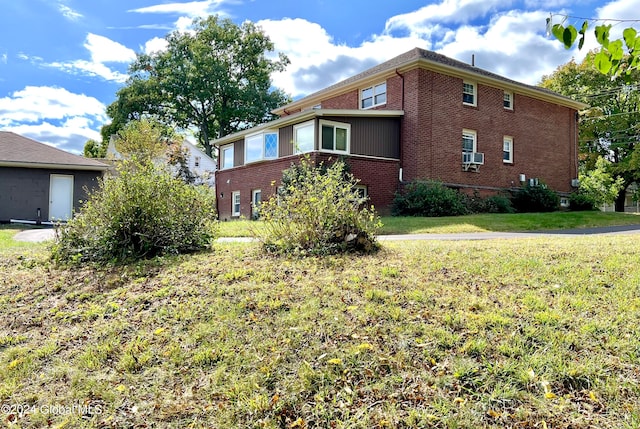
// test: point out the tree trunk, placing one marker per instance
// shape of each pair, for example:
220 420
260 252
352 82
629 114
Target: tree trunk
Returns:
620 199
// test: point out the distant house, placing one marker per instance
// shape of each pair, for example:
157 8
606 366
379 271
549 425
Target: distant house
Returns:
41 183
199 163
420 115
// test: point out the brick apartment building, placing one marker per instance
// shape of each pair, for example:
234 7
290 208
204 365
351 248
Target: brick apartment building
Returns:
420 115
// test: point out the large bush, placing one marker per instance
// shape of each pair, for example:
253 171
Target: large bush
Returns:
141 212
317 211
428 198
535 198
581 201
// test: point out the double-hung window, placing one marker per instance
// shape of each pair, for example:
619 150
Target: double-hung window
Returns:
235 203
261 146
373 96
334 136
508 100
226 157
303 137
507 150
469 91
469 138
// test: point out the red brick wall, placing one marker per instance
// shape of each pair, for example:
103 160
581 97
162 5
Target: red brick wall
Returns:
544 139
347 100
544 135
380 176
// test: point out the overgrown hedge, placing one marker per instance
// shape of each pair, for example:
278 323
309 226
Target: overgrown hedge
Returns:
141 212
535 199
318 211
433 199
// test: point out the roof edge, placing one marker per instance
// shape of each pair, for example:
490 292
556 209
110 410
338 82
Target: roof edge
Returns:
22 164
481 76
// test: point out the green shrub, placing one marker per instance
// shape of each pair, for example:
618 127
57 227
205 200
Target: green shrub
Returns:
141 212
428 198
581 201
498 204
317 212
534 199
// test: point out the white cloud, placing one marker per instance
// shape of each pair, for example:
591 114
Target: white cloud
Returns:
448 11
317 62
53 115
102 50
89 68
156 44
69 13
37 103
513 45
192 9
71 139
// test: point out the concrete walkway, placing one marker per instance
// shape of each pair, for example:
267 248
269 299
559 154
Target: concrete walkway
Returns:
44 234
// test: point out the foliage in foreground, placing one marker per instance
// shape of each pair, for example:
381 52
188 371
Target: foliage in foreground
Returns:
318 211
437 335
141 212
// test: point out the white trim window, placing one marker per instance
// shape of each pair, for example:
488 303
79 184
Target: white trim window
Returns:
469 141
235 203
373 96
362 191
469 91
303 137
226 157
261 146
256 200
335 136
507 100
507 150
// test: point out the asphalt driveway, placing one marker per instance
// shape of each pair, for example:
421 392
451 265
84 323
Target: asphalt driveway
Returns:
44 234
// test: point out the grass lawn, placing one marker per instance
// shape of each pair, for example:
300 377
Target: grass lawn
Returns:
473 223
519 333
6 237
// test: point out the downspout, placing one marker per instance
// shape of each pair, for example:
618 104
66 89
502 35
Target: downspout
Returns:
400 175
576 143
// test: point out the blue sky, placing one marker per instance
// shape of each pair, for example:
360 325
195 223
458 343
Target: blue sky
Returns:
62 61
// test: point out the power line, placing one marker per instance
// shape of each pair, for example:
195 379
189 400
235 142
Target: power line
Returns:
610 115
592 19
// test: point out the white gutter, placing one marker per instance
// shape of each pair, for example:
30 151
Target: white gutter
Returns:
23 164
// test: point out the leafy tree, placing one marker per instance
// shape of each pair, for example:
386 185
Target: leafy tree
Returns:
145 140
615 57
94 149
215 78
599 184
610 127
148 140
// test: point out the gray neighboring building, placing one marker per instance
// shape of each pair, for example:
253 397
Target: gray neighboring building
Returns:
41 183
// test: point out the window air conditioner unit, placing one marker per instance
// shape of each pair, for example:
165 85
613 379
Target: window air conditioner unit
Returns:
472 160
476 158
